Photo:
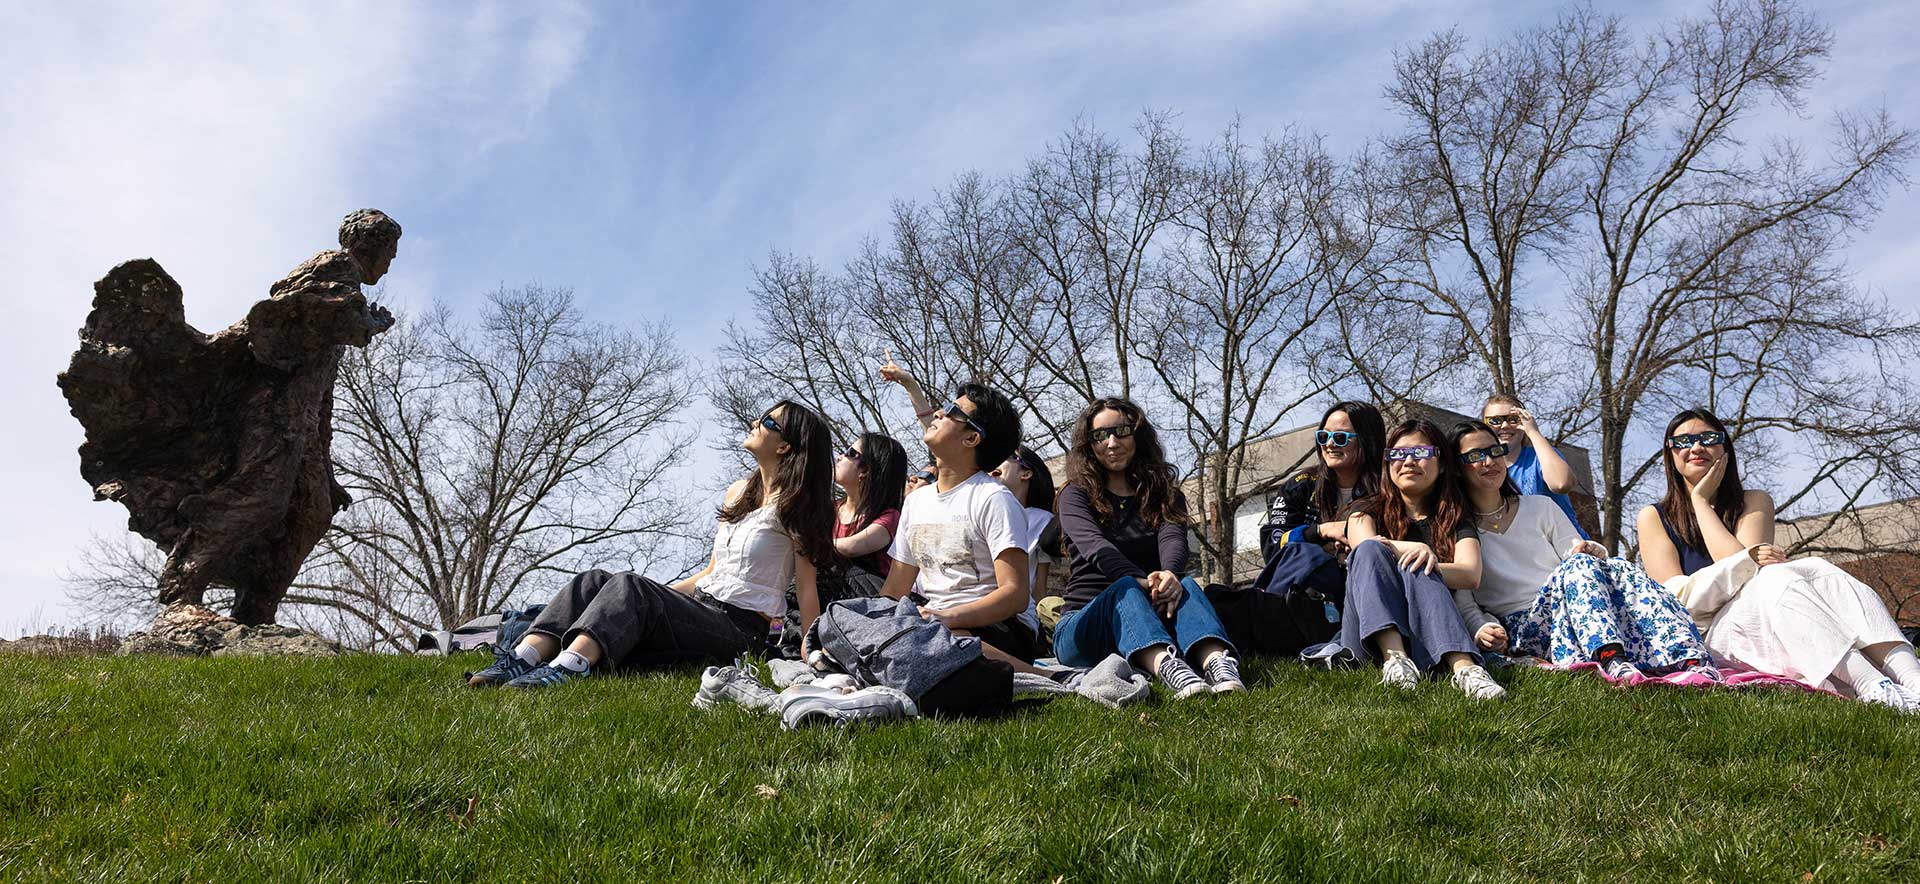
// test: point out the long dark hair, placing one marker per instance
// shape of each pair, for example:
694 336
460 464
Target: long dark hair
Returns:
1467 428
803 484
1154 480
1040 491
885 464
1729 500
1446 503
1372 430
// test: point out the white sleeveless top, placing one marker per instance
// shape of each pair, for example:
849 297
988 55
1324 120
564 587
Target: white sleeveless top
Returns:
752 563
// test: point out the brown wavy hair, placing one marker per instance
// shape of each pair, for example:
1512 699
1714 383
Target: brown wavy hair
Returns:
1154 480
803 485
1446 504
1729 500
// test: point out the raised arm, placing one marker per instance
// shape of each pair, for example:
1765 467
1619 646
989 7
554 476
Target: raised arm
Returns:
923 409
1554 470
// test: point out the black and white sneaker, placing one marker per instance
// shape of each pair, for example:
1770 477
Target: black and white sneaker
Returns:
1223 675
1180 678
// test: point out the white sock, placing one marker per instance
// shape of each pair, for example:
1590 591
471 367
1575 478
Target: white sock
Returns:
571 662
1858 672
1898 660
528 654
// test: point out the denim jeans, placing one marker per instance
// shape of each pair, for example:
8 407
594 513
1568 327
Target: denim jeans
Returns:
1121 619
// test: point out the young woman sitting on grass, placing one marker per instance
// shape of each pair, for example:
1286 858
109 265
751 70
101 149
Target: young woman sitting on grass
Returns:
1803 619
873 473
1546 591
775 527
1026 475
1412 543
1311 507
1125 523
1294 603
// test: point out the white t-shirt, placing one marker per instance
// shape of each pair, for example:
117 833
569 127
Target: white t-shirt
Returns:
1037 521
1516 563
953 538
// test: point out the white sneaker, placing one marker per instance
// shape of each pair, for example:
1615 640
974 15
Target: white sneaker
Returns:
1477 684
731 684
1398 671
806 704
1889 693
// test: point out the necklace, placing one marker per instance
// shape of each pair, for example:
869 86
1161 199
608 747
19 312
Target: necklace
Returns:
1498 512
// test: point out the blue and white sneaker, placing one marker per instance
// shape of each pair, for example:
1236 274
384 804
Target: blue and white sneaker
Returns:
546 676
506 667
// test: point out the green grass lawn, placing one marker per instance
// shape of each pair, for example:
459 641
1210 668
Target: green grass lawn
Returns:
365 769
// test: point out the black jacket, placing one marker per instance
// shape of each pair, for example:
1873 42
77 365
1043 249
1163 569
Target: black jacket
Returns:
1292 507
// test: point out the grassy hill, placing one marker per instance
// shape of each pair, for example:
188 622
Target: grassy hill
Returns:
382 768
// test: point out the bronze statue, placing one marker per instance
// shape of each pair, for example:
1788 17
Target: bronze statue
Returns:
220 445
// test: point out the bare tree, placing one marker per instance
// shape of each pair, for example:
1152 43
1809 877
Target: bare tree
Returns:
1695 266
1087 216
1237 320
483 458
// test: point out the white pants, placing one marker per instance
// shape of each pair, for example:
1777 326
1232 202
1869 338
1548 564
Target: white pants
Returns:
1799 619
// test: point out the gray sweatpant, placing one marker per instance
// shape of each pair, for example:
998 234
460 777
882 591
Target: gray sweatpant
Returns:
641 623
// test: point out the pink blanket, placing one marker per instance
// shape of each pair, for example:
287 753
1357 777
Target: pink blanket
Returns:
1736 677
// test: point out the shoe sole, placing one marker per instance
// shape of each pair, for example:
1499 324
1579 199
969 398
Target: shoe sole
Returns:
1191 692
1230 687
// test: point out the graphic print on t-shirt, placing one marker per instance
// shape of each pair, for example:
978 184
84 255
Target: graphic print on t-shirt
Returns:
943 547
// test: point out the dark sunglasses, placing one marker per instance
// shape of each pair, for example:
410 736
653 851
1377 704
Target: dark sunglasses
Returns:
1021 459
852 454
1688 440
1412 452
766 420
1099 435
1502 420
1481 455
926 476
959 415
1336 438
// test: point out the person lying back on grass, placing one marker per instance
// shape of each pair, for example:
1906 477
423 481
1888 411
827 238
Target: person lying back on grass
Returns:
1411 543
776 525
1546 591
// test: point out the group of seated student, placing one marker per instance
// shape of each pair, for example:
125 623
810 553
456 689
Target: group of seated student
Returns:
1415 548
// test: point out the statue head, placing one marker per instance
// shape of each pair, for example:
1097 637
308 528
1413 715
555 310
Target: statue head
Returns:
373 239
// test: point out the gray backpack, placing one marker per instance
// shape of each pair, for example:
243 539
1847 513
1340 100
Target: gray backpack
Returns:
880 641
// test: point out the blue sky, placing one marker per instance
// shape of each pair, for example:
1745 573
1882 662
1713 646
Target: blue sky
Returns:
646 155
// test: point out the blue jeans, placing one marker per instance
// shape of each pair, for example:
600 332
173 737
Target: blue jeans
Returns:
1122 620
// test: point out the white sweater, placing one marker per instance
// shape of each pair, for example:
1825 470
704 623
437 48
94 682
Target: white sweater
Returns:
1514 565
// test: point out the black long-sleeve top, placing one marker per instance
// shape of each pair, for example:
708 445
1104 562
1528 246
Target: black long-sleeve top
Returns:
1122 545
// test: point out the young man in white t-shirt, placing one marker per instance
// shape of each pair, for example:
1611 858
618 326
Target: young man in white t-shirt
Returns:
964 537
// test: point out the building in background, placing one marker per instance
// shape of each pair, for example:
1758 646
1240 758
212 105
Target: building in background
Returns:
1878 544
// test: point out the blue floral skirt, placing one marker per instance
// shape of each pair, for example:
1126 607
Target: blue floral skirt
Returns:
1589 603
